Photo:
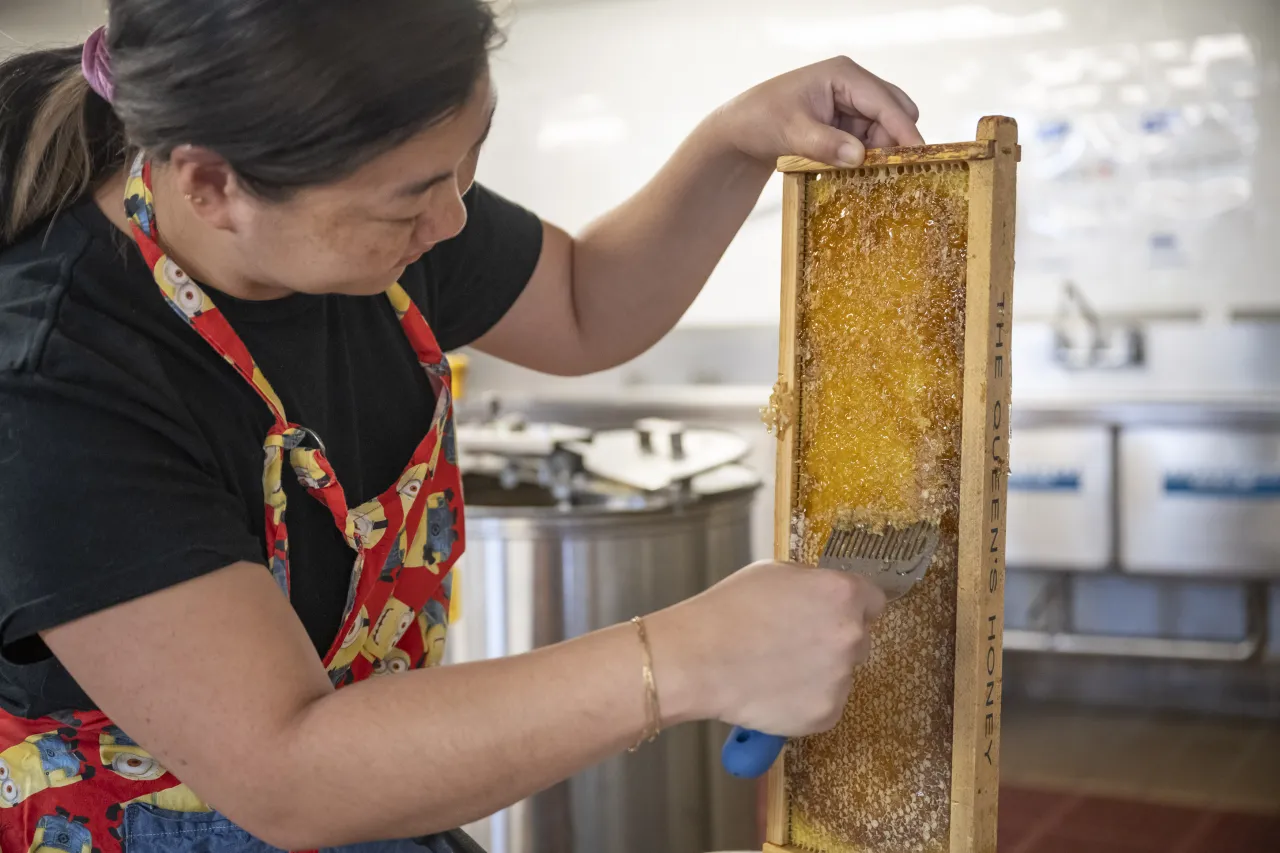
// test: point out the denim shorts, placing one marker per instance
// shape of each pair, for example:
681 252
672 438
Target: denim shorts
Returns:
150 829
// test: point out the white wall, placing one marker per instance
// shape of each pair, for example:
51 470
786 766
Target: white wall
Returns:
1142 124
25 24
1180 218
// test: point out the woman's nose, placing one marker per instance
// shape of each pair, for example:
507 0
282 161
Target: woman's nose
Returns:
443 223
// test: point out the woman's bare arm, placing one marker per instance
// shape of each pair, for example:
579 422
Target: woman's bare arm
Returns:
602 299
218 679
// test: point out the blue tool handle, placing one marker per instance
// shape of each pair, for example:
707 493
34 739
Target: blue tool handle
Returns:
749 754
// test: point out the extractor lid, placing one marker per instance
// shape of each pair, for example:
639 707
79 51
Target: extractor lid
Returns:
654 460
657 454
512 436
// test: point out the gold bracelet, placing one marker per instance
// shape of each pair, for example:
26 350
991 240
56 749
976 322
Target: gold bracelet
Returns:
653 711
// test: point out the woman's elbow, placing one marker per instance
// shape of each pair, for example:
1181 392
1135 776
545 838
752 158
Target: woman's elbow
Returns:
275 806
288 828
276 822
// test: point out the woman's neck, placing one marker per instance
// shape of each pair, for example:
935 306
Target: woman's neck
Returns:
201 251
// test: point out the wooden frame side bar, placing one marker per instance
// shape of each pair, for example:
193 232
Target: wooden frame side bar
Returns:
975 766
786 398
948 153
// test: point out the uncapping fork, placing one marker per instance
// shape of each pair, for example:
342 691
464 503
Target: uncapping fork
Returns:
894 560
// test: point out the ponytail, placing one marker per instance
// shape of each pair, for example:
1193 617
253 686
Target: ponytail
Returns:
58 138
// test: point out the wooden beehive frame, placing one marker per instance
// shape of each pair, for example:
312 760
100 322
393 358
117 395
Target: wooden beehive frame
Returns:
992 163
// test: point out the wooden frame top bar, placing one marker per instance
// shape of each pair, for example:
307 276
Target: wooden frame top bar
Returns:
983 149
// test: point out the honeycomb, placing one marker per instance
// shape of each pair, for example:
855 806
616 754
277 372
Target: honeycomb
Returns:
880 343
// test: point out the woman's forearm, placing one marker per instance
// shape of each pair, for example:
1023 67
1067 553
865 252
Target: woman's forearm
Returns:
217 678
639 268
598 301
536 717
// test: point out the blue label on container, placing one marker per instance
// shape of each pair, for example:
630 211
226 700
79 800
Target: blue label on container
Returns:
1053 130
1223 485
1057 481
1157 122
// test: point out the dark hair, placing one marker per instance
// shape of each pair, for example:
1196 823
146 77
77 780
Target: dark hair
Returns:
292 93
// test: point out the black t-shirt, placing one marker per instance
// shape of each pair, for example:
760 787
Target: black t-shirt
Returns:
131 453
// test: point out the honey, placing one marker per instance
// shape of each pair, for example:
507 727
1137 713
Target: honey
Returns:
880 345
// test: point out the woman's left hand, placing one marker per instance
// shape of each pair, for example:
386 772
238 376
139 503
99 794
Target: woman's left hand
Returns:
830 112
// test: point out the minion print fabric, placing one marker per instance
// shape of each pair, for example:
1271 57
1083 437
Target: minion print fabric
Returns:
78 784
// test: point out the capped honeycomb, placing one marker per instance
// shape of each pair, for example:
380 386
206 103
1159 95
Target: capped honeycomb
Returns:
880 344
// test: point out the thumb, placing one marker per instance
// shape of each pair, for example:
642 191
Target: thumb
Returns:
875 603
830 145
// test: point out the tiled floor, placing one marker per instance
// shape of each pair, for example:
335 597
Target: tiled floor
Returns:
1098 782
1223 764
1034 821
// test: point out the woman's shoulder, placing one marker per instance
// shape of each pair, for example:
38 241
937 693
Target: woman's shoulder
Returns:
34 275
72 280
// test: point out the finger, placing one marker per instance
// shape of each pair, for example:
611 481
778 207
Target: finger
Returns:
853 123
878 137
862 653
855 89
904 100
875 603
829 145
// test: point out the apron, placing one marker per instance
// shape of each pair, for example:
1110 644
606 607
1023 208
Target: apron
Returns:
75 783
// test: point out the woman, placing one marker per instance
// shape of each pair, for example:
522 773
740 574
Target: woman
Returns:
234 231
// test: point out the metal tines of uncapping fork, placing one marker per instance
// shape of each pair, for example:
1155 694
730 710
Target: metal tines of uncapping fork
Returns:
894 560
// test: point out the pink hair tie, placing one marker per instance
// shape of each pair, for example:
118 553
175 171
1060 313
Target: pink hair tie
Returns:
96 64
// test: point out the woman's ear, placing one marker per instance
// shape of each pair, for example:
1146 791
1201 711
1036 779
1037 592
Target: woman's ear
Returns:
207 183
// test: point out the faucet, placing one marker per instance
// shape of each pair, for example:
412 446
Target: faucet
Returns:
1083 340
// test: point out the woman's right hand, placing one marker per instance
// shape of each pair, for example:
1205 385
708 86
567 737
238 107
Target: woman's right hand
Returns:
771 648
